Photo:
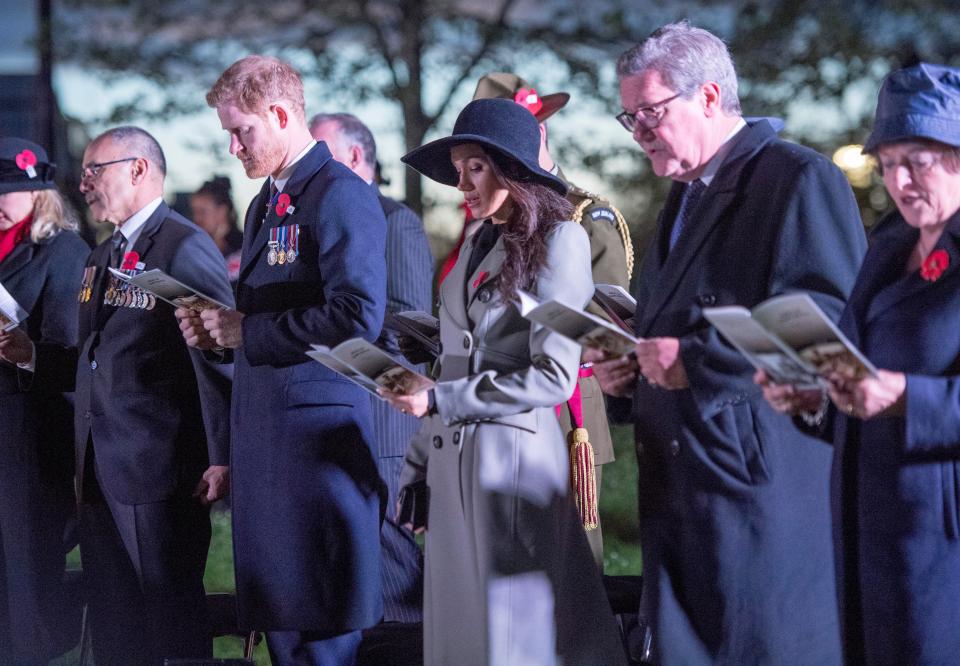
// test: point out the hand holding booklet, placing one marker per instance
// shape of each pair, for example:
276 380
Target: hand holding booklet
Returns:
11 314
791 339
369 366
582 327
170 290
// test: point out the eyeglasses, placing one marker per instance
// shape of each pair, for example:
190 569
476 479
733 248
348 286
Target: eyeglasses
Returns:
917 163
93 171
648 117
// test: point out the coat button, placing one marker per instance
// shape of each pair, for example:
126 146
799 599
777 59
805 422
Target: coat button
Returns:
86 415
466 342
674 448
437 441
440 349
484 295
456 437
93 365
708 300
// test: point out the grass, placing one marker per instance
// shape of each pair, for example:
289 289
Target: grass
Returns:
618 511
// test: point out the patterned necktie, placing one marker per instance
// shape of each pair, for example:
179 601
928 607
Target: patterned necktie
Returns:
688 203
118 243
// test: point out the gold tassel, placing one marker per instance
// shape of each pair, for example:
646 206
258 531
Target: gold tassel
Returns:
583 479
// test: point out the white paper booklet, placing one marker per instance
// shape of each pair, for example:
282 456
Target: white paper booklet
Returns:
617 303
582 327
171 290
11 314
370 367
790 338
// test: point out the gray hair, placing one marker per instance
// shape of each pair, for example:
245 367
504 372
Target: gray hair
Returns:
353 131
685 57
138 141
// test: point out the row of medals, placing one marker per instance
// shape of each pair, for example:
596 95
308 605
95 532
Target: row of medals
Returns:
281 256
123 295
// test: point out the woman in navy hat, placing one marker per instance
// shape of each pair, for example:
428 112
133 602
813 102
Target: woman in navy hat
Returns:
41 266
509 575
897 435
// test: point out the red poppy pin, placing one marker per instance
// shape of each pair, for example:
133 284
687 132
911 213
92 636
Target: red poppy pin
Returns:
130 261
283 205
529 99
26 160
934 265
480 278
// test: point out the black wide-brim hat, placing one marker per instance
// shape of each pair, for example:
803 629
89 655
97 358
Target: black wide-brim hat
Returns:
506 131
24 166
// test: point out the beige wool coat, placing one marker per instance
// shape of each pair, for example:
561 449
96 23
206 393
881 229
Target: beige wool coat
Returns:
509 575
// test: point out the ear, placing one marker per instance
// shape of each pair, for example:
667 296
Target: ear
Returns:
139 170
356 156
282 117
710 93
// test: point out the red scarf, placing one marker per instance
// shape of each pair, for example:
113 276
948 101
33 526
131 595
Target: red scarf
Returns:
10 238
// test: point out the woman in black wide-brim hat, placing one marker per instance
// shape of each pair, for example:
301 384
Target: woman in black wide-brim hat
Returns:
41 266
509 575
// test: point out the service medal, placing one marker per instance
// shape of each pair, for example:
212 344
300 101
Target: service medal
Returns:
282 243
151 301
281 257
272 256
291 256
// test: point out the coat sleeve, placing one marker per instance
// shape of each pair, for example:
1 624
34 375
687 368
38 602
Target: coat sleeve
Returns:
932 423
818 250
350 230
409 270
550 378
198 263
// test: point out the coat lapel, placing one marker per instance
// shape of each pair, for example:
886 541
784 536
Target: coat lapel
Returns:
453 290
895 259
303 173
709 212
20 257
484 279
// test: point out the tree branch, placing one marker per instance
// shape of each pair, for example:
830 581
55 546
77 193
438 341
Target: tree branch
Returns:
383 45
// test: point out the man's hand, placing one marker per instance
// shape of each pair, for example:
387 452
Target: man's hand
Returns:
213 485
617 376
882 395
786 398
224 326
660 362
16 346
191 325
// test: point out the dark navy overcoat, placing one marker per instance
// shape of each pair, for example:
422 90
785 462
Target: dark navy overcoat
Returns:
734 502
897 479
306 494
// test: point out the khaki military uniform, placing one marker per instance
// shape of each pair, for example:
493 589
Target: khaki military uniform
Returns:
611 256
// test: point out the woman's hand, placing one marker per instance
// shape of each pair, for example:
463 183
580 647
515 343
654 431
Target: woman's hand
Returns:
882 395
416 404
15 346
786 398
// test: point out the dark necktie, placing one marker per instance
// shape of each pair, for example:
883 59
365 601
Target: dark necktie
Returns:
688 203
117 245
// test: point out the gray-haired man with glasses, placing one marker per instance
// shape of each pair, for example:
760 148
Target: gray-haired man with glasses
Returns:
734 508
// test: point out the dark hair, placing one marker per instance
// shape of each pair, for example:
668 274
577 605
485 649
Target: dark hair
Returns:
537 210
218 189
354 131
139 141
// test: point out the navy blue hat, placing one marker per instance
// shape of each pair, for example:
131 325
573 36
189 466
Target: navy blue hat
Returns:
919 102
24 166
506 130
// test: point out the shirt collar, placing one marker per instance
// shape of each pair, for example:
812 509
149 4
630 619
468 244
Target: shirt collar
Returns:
281 182
132 226
713 166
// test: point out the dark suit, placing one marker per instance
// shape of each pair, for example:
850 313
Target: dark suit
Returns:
36 477
409 287
734 511
151 416
306 500
896 481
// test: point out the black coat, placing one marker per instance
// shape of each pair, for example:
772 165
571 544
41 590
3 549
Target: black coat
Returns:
36 478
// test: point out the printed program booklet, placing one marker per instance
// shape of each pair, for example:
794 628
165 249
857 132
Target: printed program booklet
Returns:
170 290
617 303
790 338
11 314
369 366
421 326
582 327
